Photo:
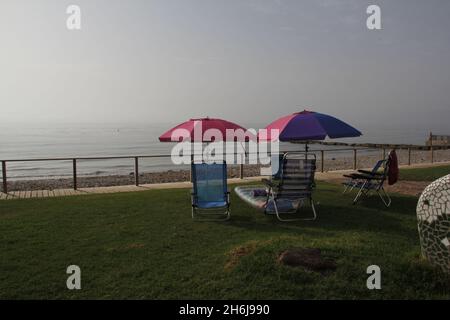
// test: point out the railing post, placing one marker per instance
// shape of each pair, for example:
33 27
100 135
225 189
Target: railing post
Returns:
5 183
409 156
136 171
241 171
322 160
354 159
74 174
384 153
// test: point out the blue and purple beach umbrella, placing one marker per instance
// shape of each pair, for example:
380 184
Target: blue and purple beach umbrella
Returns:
309 125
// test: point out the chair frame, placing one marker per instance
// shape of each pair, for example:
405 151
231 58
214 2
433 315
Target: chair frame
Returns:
369 181
198 213
275 189
353 182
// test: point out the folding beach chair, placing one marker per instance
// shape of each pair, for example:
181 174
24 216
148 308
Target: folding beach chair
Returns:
368 181
289 194
210 196
354 178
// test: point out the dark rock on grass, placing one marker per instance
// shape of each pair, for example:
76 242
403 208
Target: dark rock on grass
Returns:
309 258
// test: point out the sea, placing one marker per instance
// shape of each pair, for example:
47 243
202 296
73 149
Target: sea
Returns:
64 140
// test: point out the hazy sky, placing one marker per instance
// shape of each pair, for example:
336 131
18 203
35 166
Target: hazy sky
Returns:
249 61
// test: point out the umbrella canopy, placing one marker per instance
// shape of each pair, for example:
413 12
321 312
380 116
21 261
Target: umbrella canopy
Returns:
309 125
194 130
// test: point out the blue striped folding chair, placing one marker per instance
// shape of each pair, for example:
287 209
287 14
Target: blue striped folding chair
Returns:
289 193
210 196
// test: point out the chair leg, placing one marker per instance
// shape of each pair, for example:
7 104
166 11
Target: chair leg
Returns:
381 193
313 207
353 186
360 193
311 201
350 188
345 189
384 197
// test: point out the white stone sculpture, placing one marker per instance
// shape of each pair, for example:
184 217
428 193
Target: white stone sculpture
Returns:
433 214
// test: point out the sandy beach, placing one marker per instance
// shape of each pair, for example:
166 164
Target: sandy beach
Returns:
331 164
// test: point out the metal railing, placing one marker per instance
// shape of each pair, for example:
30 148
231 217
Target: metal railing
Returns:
74 165
136 158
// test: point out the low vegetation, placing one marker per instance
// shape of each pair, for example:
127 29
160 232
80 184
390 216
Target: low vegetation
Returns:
145 245
424 174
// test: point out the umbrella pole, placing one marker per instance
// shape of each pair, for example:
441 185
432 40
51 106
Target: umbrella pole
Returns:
306 150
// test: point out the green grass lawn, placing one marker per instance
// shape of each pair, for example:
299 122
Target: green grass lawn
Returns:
424 174
145 245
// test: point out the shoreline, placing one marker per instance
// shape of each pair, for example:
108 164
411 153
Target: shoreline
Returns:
331 164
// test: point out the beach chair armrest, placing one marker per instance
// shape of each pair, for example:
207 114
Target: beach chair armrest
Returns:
356 176
362 176
370 172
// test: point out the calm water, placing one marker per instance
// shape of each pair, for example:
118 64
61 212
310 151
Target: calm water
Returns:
19 141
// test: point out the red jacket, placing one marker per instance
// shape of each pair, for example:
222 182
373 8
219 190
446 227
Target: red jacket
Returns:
393 172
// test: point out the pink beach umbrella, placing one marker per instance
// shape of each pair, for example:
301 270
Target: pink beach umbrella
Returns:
194 130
